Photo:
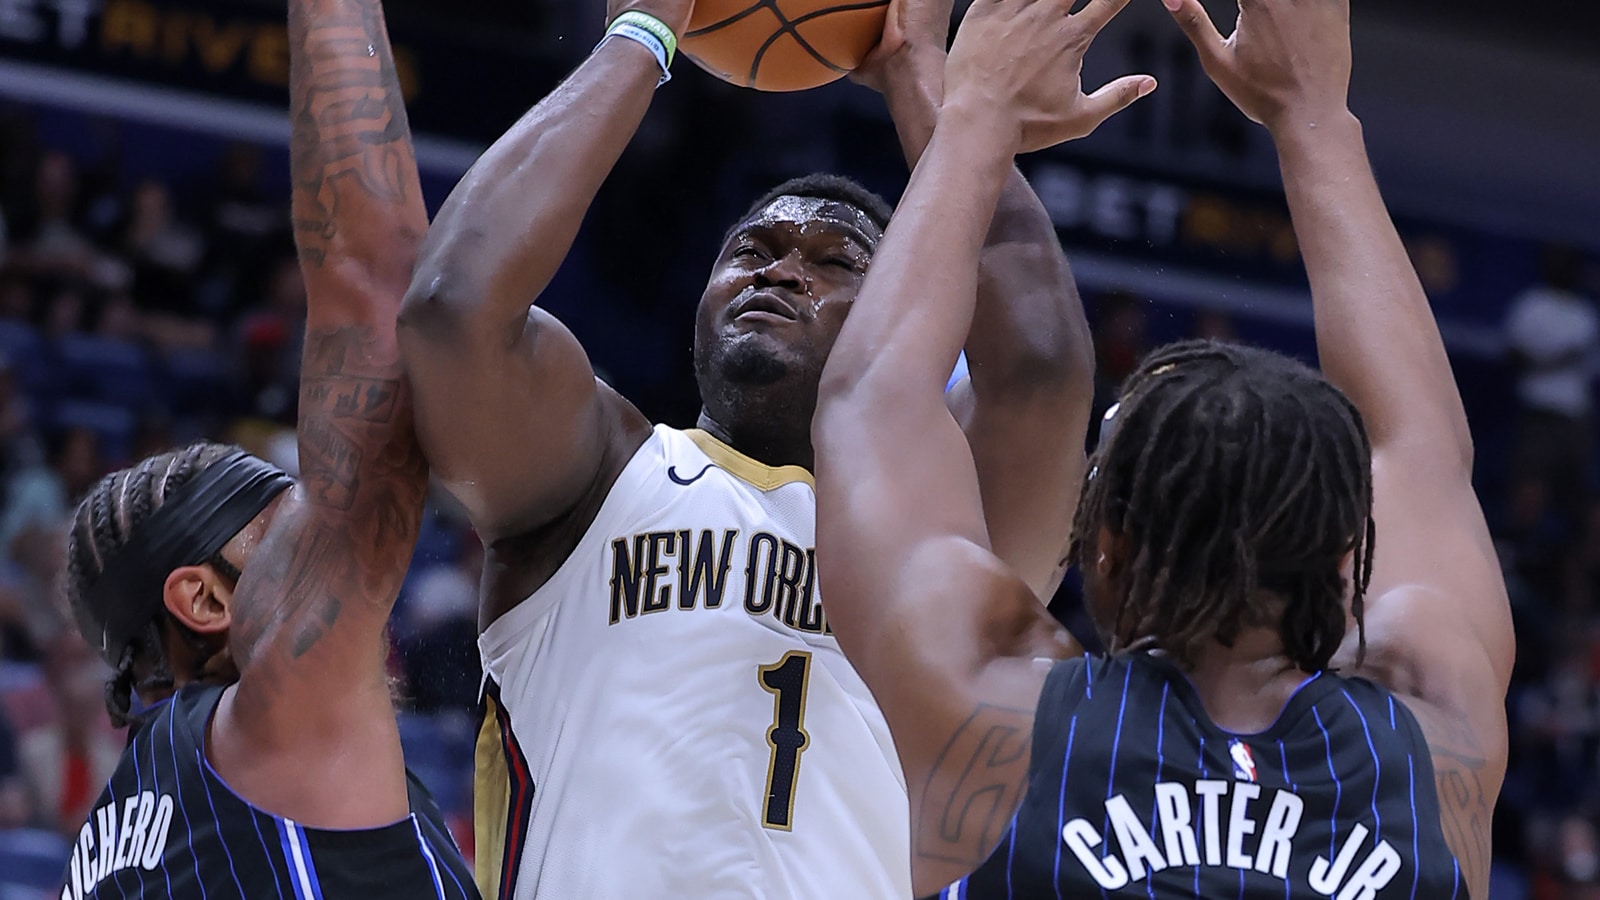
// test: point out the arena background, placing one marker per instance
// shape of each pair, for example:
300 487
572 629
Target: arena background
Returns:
148 296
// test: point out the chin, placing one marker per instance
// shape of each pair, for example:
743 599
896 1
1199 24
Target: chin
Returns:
751 359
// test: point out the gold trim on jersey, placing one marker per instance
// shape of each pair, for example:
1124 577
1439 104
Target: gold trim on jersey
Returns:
491 797
758 475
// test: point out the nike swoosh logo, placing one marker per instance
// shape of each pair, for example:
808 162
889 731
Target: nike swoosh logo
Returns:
672 473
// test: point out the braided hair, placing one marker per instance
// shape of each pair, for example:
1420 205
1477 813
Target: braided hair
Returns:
106 519
1238 481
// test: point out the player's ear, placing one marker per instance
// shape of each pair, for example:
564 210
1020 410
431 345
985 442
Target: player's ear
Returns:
200 598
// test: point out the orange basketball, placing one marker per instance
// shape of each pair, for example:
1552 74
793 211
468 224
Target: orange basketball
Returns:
782 45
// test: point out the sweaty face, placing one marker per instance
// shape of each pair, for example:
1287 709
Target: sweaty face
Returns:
781 289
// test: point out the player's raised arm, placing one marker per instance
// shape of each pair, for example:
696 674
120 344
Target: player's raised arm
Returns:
1438 623
941 630
310 610
1025 408
508 407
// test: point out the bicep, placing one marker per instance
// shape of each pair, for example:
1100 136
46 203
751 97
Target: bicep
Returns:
1437 593
512 418
1028 452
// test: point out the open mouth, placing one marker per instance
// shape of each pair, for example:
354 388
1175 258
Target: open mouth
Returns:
766 304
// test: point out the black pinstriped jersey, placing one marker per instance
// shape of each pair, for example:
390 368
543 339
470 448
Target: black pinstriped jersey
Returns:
1134 792
168 826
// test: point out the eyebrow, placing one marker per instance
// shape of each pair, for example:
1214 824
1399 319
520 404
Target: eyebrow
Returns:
856 235
836 226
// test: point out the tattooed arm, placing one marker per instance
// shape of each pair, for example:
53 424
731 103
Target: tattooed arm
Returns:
309 732
1438 623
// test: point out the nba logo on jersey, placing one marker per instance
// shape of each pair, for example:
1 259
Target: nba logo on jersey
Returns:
1244 762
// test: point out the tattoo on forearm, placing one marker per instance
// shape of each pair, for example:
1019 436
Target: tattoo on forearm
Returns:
362 481
1465 806
351 141
1465 781
330 463
975 785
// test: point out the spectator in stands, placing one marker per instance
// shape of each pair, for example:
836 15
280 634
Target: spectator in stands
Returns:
16 635
66 312
1213 325
439 647
53 244
33 570
36 496
17 300
19 441
244 226
1120 341
1562 730
152 434
165 253
1554 337
1120 336
1537 544
271 338
437 641
38 499
118 319
68 761
16 806
77 461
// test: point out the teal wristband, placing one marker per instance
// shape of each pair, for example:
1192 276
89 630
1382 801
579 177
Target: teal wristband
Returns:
650 31
653 25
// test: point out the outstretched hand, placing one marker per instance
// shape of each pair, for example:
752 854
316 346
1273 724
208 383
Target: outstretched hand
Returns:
1287 61
1024 58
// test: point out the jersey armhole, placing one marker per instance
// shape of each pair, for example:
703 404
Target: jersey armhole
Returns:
507 631
1065 686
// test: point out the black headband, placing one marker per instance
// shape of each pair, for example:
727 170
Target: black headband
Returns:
186 530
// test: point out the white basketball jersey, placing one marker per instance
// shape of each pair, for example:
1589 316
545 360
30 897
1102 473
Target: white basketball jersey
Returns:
670 715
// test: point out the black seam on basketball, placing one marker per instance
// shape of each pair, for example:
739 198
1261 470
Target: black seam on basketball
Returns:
846 7
793 28
783 28
787 27
804 45
741 14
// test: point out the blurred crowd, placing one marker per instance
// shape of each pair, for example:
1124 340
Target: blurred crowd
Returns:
138 314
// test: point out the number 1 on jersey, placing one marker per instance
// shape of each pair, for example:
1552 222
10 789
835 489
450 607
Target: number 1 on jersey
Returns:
786 680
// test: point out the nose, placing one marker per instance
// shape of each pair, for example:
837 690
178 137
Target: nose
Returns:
785 271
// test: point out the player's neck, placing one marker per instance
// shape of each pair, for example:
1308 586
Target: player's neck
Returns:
1245 687
765 442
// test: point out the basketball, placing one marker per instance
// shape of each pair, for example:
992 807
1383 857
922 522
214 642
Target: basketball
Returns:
782 45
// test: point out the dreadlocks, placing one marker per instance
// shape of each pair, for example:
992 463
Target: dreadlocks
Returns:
105 520
1238 480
